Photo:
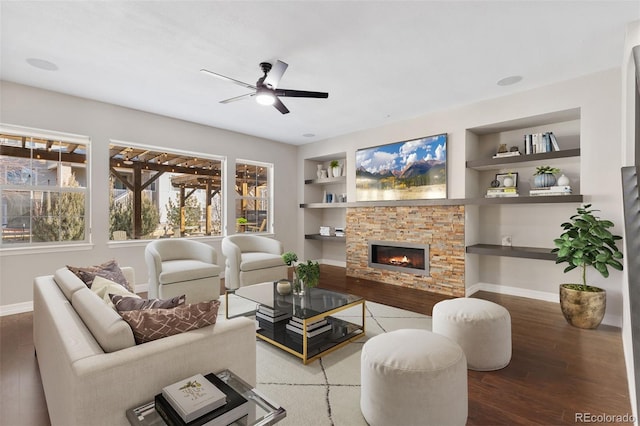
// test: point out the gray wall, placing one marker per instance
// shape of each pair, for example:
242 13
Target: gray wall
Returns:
101 122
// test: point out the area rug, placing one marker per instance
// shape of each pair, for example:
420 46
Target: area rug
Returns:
326 392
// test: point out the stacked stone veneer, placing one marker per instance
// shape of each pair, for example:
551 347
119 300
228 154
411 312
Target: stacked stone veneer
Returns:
441 227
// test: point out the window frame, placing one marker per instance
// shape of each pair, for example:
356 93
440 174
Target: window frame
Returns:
60 188
177 152
269 168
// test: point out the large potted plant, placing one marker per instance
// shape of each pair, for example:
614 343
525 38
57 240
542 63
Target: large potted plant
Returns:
586 241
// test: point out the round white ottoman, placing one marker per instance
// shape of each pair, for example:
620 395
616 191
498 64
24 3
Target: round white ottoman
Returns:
480 327
413 377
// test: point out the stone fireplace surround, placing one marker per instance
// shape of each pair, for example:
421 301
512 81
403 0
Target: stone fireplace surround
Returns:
440 227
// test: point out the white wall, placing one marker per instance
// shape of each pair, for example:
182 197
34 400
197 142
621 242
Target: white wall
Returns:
32 107
597 96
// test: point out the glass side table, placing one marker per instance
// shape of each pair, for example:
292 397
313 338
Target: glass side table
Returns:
262 411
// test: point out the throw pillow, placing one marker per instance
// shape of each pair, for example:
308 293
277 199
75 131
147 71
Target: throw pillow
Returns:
123 303
104 288
109 270
153 324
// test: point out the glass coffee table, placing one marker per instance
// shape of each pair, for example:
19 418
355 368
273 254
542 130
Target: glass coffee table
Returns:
319 332
262 411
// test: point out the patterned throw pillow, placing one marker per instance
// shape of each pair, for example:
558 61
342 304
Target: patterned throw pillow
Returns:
153 324
109 270
124 303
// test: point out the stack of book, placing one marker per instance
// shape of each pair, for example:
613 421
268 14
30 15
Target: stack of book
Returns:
200 400
502 191
314 328
339 232
506 154
325 231
540 142
551 190
267 317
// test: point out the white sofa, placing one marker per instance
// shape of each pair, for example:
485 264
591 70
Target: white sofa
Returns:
252 259
91 368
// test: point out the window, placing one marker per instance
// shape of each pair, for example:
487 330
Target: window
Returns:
43 188
157 193
253 203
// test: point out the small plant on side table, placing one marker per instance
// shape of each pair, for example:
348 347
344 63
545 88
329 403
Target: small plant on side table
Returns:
309 273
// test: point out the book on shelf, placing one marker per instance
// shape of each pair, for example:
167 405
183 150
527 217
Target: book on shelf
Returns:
502 189
314 333
272 319
551 190
194 396
235 408
507 154
537 143
502 195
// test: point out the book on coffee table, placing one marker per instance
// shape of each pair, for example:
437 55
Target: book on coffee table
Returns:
193 397
235 408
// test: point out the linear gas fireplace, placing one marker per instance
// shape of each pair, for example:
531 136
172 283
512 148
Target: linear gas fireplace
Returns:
410 258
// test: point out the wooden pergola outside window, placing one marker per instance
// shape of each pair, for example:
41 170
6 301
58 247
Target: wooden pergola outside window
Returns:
138 168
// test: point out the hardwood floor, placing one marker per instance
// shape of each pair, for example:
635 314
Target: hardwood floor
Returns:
556 371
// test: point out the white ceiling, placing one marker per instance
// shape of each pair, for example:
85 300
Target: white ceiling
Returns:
380 61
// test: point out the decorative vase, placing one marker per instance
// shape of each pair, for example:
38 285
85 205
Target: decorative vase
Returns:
563 180
337 171
283 287
583 309
544 180
319 172
508 181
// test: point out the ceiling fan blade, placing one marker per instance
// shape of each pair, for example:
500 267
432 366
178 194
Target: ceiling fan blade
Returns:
280 106
222 77
300 94
237 98
274 76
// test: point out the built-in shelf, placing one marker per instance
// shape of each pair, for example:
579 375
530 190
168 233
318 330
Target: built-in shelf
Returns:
552 199
326 181
512 251
324 237
521 160
525 199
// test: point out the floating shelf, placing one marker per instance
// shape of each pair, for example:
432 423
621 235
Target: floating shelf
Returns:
324 237
326 181
512 251
549 199
493 163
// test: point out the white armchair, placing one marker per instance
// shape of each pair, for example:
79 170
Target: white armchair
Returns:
252 259
178 267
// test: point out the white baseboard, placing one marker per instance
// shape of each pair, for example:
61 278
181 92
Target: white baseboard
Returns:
613 320
331 262
17 308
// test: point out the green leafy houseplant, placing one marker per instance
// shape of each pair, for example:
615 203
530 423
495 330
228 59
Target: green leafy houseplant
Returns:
334 163
587 241
290 258
541 170
309 273
241 221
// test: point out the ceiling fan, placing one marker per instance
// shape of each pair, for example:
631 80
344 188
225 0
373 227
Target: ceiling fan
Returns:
266 88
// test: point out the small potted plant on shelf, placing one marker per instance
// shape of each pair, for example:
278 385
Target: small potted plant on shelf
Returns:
336 169
586 241
544 176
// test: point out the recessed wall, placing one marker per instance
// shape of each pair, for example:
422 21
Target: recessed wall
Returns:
441 227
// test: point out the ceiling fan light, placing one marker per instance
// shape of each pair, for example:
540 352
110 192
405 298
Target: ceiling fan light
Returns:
265 97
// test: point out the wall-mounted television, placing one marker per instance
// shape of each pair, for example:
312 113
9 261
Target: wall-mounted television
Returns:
407 170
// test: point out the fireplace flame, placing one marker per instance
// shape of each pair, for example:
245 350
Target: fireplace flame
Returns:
404 260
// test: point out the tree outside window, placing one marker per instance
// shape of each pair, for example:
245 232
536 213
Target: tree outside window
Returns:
44 197
163 194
